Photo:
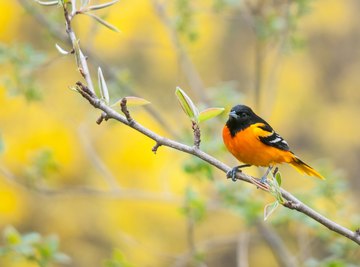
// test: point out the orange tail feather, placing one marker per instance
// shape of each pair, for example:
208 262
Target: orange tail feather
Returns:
303 168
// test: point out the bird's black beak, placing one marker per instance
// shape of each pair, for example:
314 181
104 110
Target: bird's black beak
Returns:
233 115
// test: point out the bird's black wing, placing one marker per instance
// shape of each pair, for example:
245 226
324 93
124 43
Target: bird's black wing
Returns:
273 139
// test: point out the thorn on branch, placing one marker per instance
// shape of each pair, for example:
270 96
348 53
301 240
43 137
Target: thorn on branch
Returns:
85 89
357 231
82 72
126 111
275 171
102 117
155 147
197 134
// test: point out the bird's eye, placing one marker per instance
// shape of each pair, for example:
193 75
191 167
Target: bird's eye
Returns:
243 115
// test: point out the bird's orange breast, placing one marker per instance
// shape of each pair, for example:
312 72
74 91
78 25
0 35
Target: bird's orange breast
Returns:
248 148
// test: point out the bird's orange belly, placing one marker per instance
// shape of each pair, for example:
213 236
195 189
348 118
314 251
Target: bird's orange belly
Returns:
247 148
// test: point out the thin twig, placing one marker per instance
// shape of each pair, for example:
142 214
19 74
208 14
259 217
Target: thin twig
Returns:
128 194
187 66
101 118
155 147
82 64
97 162
197 134
125 110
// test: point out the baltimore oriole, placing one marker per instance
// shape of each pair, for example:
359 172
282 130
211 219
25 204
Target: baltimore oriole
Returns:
254 142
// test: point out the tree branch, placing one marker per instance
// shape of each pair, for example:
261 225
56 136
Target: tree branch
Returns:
291 203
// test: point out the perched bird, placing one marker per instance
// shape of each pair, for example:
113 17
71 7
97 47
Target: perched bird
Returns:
254 142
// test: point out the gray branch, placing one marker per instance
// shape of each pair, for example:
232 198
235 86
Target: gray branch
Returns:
291 203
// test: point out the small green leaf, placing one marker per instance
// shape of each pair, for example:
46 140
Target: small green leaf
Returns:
132 101
62 258
74 88
103 22
61 50
278 178
103 87
47 3
12 236
187 105
209 113
117 260
269 209
101 6
31 238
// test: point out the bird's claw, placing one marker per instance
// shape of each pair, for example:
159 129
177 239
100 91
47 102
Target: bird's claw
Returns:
264 180
232 173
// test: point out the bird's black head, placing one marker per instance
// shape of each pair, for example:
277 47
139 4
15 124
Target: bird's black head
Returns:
241 117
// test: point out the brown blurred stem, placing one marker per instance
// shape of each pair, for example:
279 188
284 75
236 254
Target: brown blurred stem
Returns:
258 70
186 64
191 235
128 194
281 253
96 161
242 250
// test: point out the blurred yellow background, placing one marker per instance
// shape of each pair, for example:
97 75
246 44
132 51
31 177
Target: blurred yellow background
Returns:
100 188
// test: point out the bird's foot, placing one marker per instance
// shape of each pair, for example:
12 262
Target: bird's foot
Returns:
263 179
232 173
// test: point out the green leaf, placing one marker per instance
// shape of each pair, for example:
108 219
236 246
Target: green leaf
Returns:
61 50
117 260
103 22
269 209
101 6
278 178
194 206
187 105
62 258
47 3
12 236
27 250
209 113
132 101
31 238
103 87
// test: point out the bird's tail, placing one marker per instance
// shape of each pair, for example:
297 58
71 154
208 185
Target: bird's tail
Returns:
303 168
